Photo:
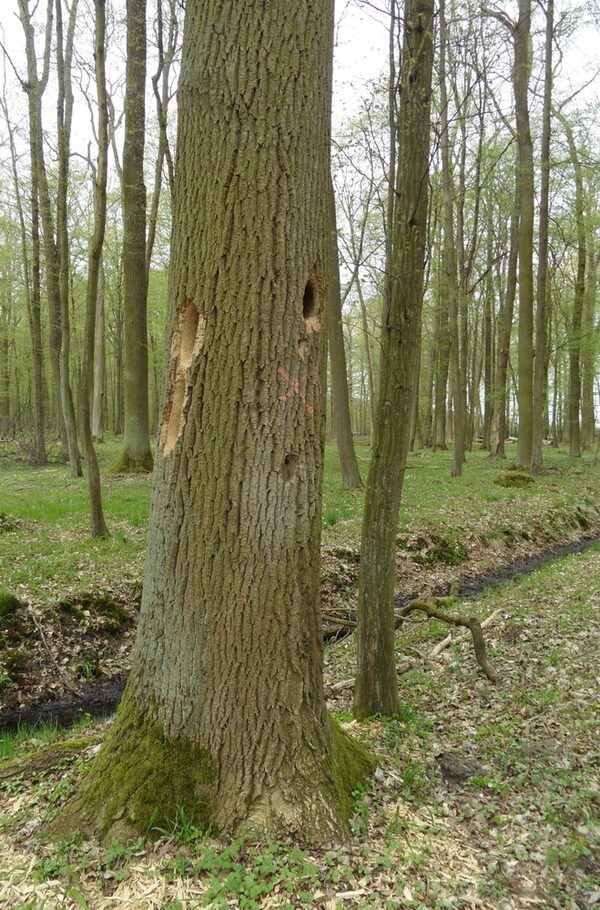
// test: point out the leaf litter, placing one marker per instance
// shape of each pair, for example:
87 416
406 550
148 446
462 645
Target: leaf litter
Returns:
485 796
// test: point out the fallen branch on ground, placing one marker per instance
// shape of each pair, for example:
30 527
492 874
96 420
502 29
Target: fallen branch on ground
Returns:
431 608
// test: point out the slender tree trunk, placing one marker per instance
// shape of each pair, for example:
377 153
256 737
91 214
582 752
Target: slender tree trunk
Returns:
488 355
97 522
64 54
525 183
339 378
99 362
427 426
368 356
579 298
443 365
499 423
31 277
137 456
161 87
5 313
539 398
449 263
376 682
224 716
588 358
35 88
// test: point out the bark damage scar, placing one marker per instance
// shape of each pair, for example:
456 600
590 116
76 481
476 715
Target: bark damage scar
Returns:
186 344
311 302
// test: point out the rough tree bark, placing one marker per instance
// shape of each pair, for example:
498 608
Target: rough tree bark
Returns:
224 713
376 688
339 377
137 456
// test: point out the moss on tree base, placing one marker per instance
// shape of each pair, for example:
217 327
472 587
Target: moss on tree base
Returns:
514 479
142 781
127 464
139 781
352 764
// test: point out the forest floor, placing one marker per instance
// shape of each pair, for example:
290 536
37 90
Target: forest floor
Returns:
485 796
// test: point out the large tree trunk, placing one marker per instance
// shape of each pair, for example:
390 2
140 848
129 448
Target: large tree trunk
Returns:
376 682
337 355
224 716
137 456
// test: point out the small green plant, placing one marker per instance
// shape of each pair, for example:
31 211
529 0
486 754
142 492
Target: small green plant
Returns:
9 605
331 517
182 829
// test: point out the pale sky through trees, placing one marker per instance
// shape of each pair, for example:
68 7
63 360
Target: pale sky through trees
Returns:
360 57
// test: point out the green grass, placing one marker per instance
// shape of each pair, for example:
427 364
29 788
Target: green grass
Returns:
536 733
26 739
52 553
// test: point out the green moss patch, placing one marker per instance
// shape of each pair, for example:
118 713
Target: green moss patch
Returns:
140 781
434 549
514 480
352 764
7 523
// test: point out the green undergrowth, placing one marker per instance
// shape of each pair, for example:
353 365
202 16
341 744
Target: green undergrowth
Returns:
522 821
48 553
30 739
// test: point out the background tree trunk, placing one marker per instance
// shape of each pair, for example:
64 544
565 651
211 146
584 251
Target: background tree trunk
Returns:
525 182
97 522
539 378
137 455
337 355
376 689
499 423
64 116
99 361
578 299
